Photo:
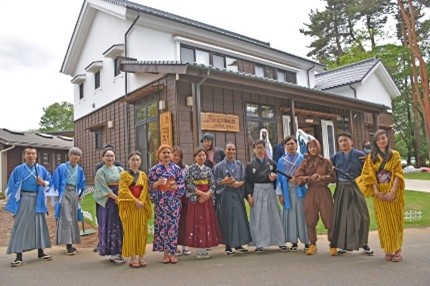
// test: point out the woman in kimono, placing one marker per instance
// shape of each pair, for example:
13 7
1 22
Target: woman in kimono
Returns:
265 222
317 172
382 178
291 196
68 182
231 212
134 210
106 196
166 184
177 158
202 230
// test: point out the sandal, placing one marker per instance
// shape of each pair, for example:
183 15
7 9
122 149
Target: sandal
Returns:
166 260
134 265
397 257
389 256
142 263
173 259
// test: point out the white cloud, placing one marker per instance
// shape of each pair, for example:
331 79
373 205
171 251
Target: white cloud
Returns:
35 36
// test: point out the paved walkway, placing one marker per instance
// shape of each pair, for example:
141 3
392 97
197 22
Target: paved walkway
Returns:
417 185
271 267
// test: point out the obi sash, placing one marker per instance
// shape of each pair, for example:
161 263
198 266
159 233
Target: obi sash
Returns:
166 186
136 191
114 188
202 185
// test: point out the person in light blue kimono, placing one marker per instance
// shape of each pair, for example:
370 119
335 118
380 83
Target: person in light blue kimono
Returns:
68 183
291 196
27 202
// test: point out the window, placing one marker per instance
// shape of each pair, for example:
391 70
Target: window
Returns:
280 76
97 80
187 55
117 71
147 133
231 64
270 73
99 138
81 91
259 116
202 57
58 159
291 77
218 61
259 71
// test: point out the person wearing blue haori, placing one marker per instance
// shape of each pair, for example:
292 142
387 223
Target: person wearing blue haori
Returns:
26 200
291 196
68 183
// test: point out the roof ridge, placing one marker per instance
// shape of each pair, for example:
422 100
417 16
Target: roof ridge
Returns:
349 66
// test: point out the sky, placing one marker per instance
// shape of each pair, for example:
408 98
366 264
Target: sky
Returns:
35 35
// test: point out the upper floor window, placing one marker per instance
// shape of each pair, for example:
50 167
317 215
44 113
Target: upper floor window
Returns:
218 61
202 57
187 55
117 71
81 91
259 71
97 80
231 64
290 77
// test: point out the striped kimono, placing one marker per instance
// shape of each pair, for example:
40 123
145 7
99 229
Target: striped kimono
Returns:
389 214
134 220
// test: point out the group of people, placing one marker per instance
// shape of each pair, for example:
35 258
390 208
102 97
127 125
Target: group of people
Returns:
203 205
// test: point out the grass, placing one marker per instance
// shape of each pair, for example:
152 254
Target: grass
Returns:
417 176
415 201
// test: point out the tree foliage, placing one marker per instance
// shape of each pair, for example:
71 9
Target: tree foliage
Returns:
348 31
57 117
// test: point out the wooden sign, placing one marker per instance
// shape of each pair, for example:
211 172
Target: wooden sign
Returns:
220 122
166 128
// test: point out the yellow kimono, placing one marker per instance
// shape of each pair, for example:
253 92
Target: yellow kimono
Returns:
389 214
134 220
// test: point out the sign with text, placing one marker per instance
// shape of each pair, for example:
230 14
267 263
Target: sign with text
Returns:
220 122
166 128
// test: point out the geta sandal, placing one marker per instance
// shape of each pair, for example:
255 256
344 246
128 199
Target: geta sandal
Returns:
389 256
134 265
396 257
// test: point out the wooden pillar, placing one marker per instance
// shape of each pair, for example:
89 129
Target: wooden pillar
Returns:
293 127
375 122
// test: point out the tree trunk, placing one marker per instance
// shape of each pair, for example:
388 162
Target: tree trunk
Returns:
422 98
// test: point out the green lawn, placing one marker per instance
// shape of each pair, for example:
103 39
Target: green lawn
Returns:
415 201
418 176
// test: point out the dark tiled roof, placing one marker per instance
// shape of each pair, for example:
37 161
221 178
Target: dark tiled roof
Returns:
172 17
246 75
345 75
39 140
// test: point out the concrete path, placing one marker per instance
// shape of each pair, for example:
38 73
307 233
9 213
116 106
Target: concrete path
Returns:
417 185
271 267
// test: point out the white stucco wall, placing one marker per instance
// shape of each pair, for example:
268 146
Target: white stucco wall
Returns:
373 90
148 41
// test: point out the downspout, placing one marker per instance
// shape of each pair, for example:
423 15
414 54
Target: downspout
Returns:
307 72
127 117
198 106
1 167
355 91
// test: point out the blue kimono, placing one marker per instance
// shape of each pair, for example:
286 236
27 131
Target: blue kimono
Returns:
289 168
59 182
21 174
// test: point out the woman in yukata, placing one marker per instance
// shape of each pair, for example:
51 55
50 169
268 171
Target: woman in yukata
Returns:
106 195
202 230
178 159
134 210
166 185
382 178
